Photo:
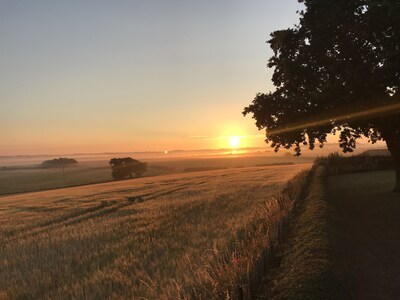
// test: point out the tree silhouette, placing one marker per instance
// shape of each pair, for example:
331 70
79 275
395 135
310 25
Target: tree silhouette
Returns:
124 167
337 71
59 162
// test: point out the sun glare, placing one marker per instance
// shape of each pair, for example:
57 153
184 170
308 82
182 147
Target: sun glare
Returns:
234 141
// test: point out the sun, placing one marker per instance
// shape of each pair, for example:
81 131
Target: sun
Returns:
234 141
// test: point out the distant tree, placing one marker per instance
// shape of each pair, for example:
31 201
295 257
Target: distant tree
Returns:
338 70
59 162
124 167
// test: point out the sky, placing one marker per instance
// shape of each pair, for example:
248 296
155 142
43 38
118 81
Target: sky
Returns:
116 76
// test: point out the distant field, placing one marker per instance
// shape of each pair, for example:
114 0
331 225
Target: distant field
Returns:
150 237
26 176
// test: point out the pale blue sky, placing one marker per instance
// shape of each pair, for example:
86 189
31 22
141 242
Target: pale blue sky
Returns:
132 75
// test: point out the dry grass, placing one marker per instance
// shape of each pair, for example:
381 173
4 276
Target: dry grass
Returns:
151 238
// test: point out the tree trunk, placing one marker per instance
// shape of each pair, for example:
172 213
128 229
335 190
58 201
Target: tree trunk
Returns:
397 167
397 187
393 144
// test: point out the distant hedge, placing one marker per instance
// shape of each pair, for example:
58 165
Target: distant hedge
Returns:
337 164
58 162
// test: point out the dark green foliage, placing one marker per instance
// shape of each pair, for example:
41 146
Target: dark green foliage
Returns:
59 162
336 71
124 167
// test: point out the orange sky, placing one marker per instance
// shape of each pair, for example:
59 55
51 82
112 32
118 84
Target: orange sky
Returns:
96 76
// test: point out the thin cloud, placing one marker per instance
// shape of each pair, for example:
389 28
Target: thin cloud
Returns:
198 137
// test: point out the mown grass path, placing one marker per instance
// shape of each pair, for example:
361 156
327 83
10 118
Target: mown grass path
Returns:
369 225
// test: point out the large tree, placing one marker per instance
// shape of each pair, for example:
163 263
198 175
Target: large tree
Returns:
124 167
338 70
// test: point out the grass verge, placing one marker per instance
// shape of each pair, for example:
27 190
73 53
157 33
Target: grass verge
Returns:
306 269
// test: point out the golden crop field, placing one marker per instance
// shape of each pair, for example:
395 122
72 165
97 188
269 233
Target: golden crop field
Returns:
148 238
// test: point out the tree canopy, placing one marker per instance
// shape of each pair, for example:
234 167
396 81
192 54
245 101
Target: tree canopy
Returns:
337 71
59 162
124 167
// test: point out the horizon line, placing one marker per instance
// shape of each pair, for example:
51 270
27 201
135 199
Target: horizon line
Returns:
162 151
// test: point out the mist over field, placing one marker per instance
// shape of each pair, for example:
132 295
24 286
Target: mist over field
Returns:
25 173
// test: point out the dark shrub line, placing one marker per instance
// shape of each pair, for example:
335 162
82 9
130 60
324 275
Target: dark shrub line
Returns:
338 165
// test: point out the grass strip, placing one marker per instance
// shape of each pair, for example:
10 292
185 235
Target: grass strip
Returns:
307 267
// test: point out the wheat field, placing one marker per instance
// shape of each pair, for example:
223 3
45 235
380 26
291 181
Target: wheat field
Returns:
148 238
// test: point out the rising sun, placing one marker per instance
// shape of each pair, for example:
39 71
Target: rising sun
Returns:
234 141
